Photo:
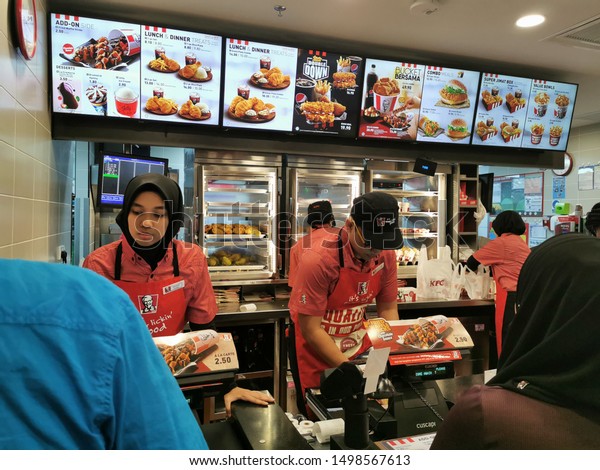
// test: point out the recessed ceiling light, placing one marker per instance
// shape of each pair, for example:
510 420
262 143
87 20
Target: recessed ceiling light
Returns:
530 20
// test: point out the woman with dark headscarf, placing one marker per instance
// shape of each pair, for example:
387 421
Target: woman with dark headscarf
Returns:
592 220
166 279
546 394
505 254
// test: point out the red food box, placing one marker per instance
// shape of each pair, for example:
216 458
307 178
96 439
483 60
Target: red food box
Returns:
511 137
490 106
512 108
488 135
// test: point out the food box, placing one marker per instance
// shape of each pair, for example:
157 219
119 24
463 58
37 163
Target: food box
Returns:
407 294
488 135
423 334
490 106
514 108
198 352
511 137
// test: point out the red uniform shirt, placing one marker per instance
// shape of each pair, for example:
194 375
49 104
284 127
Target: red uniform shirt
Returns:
506 254
199 295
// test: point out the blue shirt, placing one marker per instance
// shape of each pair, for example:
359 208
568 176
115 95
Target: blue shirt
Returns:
79 369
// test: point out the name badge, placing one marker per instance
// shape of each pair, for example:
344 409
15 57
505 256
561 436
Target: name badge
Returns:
173 287
377 269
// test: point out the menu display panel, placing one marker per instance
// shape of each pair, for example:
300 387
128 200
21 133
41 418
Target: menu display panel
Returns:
549 115
95 66
180 76
258 85
448 105
501 110
327 95
391 100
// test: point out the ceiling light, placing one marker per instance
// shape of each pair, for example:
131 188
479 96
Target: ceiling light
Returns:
530 20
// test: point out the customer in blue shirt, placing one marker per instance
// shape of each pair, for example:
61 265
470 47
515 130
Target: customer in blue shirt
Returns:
79 368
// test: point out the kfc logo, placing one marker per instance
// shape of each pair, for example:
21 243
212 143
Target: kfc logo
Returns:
383 221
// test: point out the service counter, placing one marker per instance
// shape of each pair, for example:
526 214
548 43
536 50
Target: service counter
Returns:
477 316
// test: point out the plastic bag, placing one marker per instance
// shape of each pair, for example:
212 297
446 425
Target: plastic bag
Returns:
458 282
477 284
434 276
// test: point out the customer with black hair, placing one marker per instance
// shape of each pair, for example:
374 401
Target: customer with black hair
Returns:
546 394
505 254
592 220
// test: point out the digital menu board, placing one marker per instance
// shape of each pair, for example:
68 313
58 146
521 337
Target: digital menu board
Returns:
180 76
391 100
95 66
447 105
327 97
501 110
549 115
257 85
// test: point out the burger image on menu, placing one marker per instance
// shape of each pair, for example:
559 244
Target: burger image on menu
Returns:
457 129
455 94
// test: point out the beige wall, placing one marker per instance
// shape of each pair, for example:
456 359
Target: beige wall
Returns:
36 174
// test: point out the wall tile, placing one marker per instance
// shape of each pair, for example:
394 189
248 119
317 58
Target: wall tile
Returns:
22 220
6 213
8 65
41 180
41 250
7 117
7 169
41 214
25 131
6 251
23 250
53 218
23 175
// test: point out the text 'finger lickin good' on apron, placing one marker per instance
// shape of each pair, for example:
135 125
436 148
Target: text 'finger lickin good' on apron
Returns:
161 303
343 320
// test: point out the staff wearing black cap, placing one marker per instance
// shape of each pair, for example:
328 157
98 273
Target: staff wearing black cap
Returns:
319 217
336 281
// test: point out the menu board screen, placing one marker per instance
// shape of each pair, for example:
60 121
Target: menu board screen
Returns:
447 106
501 110
95 66
327 98
391 100
180 76
549 115
257 91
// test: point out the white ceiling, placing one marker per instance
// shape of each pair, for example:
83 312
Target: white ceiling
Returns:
476 33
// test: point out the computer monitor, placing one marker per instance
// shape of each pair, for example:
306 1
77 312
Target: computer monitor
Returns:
117 169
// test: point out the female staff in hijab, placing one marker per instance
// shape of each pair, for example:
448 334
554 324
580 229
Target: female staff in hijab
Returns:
166 279
546 391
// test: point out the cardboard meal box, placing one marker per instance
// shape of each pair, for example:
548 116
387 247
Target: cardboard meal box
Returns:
437 333
198 352
490 106
487 135
511 137
512 108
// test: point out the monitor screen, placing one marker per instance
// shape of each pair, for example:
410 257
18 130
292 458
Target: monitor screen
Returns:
391 100
523 112
447 105
257 93
115 172
95 66
181 77
327 98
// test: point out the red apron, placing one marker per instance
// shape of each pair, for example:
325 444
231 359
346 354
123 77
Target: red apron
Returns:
501 294
161 303
343 320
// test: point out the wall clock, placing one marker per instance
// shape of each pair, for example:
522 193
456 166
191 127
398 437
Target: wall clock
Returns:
26 23
567 166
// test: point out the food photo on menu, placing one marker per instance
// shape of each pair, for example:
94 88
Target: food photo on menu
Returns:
258 90
327 95
180 74
549 115
95 66
391 100
447 105
501 110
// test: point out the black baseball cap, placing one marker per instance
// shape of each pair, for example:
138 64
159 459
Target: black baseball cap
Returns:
320 213
376 214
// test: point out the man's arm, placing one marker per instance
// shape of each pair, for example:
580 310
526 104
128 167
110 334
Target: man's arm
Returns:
319 340
388 310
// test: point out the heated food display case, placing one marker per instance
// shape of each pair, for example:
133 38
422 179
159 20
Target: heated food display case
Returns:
311 179
422 208
236 214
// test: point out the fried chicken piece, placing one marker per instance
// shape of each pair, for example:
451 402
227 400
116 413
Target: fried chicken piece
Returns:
189 70
338 109
275 79
268 73
258 104
242 107
234 103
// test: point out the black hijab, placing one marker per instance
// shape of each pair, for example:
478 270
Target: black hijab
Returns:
170 192
552 350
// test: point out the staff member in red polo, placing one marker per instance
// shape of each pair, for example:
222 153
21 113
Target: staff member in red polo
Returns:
321 220
166 279
336 281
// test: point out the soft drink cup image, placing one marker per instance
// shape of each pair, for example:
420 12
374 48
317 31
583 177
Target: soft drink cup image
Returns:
126 101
